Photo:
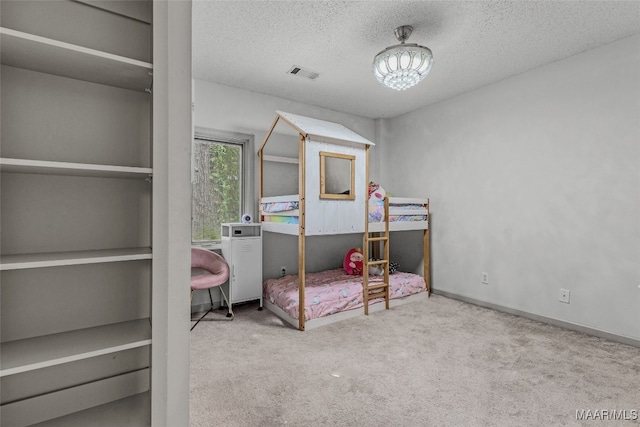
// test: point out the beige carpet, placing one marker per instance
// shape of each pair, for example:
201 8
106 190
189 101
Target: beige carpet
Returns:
439 363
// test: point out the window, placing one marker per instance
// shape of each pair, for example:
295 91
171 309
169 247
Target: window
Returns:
337 176
221 167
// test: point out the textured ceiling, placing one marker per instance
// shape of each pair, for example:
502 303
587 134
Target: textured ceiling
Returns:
252 44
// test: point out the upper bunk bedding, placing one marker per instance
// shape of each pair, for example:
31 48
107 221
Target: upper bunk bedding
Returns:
333 291
281 214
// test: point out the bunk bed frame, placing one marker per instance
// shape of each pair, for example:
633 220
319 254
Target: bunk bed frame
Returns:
334 133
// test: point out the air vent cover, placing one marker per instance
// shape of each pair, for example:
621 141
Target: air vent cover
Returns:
303 72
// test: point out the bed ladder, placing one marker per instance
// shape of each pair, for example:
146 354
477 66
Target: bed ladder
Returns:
377 289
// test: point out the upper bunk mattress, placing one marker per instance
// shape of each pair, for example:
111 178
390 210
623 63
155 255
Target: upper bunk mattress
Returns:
332 291
287 211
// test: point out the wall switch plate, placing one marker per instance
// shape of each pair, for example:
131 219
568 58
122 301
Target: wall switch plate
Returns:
484 278
283 271
564 296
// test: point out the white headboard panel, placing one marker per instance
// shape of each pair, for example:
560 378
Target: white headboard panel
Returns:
326 216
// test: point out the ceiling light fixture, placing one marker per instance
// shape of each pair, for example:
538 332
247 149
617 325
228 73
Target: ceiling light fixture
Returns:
403 65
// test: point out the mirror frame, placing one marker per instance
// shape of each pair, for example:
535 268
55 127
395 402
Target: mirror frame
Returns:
352 163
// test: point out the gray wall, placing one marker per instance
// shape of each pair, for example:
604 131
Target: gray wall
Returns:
536 181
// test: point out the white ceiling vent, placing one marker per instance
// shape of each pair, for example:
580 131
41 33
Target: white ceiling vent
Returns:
302 72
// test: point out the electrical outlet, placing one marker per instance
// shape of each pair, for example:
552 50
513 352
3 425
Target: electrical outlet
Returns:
564 296
283 271
484 278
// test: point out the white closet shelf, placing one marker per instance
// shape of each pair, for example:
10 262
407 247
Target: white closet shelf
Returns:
58 259
50 350
71 400
130 412
23 50
76 169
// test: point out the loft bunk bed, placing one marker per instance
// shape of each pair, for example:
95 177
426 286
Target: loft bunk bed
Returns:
333 198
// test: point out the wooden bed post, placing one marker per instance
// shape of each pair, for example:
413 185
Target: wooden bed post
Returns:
261 165
365 236
301 233
261 183
426 252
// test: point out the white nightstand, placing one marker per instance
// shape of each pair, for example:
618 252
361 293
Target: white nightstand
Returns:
242 248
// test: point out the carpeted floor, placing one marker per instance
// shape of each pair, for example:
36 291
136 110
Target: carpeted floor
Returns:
439 363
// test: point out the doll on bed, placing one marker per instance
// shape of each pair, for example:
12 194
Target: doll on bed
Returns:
376 192
353 264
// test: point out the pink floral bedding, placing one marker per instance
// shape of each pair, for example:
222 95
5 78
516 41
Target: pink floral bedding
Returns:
332 291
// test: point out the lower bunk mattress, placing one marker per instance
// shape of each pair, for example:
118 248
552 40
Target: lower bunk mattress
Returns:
333 291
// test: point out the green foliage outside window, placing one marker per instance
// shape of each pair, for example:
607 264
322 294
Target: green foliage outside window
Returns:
217 188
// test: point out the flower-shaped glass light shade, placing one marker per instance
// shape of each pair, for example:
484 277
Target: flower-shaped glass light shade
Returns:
402 66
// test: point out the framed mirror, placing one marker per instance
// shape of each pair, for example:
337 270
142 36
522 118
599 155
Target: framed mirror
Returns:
337 176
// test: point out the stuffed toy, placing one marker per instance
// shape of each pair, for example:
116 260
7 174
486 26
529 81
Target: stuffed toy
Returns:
393 267
352 263
375 270
376 192
378 270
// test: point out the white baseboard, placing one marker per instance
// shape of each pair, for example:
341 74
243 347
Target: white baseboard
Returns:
555 322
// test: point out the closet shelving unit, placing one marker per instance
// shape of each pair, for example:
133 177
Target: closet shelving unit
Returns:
75 254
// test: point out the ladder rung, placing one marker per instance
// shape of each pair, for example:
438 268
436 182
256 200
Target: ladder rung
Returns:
377 262
376 239
381 294
377 286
